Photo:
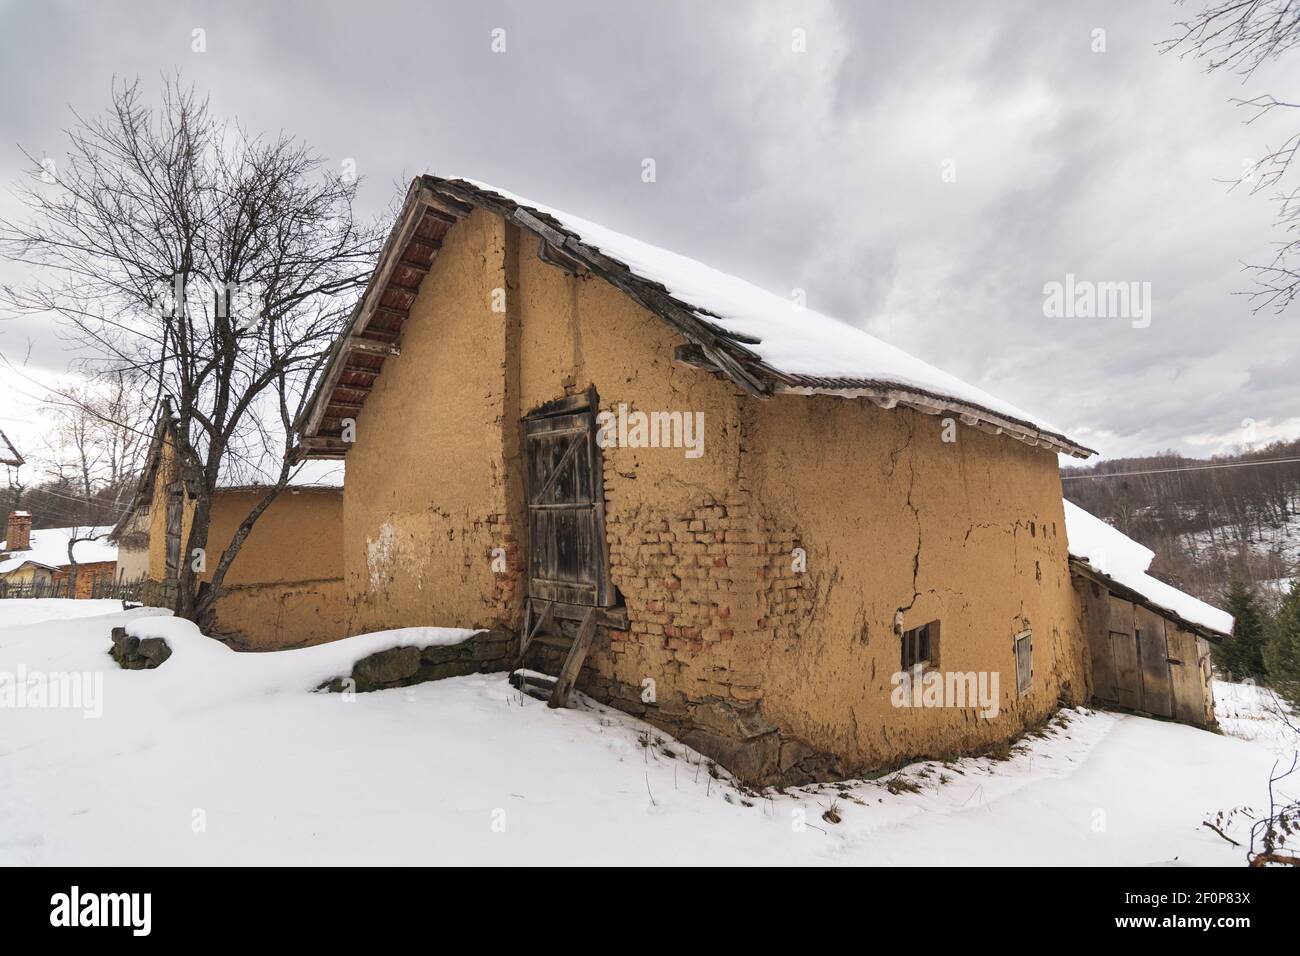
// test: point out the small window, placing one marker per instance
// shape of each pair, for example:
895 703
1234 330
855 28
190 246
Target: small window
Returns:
1024 662
921 646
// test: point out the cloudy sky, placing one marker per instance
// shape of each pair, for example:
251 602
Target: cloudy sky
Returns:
921 169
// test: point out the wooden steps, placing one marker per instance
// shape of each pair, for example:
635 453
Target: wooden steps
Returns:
545 631
534 685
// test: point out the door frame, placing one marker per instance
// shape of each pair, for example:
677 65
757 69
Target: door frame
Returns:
584 402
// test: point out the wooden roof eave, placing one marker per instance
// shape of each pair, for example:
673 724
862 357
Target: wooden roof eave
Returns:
419 203
892 394
726 351
1083 568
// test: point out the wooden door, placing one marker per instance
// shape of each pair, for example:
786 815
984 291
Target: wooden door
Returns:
1127 670
1154 652
175 501
566 507
1185 677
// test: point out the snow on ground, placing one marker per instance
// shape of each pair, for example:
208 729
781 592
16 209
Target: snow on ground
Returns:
1282 541
226 758
15 612
1255 713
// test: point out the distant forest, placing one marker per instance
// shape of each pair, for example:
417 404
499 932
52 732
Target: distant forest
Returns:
1207 520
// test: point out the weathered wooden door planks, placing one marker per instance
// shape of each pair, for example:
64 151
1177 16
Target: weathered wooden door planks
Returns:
566 508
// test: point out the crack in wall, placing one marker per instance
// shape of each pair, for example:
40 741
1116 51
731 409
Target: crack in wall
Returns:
916 516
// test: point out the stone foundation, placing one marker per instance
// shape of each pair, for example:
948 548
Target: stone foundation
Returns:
732 733
485 653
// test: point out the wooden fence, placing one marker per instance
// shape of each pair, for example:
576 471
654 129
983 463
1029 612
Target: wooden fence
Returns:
43 589
140 591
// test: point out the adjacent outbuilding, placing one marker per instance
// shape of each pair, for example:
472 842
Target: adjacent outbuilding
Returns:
285 587
1148 642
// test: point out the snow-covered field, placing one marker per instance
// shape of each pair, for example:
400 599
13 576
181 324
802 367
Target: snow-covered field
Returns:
226 758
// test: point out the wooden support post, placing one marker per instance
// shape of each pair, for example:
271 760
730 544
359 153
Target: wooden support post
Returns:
573 663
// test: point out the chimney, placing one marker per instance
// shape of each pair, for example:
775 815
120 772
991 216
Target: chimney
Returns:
18 531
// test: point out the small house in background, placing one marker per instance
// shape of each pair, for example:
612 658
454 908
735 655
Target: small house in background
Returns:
285 588
1149 643
35 563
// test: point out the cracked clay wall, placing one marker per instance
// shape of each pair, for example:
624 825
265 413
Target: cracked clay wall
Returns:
691 605
894 519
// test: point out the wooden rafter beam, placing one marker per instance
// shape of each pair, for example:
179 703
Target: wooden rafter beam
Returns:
358 343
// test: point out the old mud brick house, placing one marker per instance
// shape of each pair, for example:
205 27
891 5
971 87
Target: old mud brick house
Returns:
845 509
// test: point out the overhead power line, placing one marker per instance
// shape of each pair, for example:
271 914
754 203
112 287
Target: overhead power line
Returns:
1170 471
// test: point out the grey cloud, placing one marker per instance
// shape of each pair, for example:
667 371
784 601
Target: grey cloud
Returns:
818 170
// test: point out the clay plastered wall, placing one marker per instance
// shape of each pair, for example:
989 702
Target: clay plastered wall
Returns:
132 563
702 549
285 587
426 477
28 574
684 609
298 538
263 617
892 518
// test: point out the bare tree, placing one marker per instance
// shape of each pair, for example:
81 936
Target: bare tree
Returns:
211 263
93 441
1240 36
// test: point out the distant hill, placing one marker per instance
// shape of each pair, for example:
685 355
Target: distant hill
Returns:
1206 519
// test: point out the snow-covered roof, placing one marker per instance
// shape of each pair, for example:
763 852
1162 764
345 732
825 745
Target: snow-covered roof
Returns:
799 342
1116 556
764 342
50 548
